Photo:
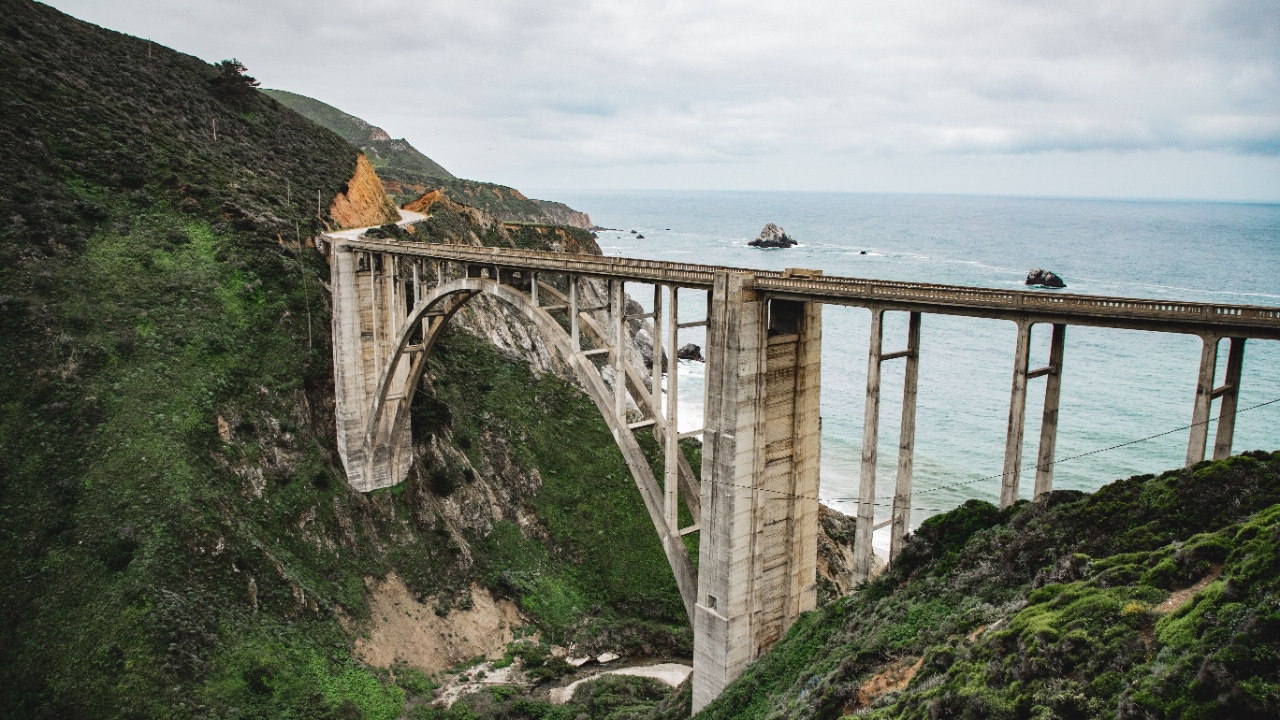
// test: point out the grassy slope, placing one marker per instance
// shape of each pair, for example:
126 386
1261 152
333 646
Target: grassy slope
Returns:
385 154
148 567
1049 610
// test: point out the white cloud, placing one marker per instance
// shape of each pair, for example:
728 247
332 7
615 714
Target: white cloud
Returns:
662 93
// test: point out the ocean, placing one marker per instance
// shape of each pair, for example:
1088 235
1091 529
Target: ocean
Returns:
1118 386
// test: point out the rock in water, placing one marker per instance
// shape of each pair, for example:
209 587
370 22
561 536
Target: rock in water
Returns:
1044 278
773 236
690 352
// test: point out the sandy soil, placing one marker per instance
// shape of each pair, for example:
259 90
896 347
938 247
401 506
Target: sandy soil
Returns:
403 630
1181 597
670 673
891 679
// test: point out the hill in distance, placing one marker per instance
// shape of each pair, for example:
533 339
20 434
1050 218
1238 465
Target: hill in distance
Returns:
407 174
383 151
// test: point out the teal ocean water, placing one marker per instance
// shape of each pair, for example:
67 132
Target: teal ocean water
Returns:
1118 385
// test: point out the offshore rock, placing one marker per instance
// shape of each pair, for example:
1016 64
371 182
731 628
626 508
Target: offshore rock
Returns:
773 236
1044 278
690 352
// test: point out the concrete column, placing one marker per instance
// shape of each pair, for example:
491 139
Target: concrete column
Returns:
671 463
533 288
374 299
758 552
348 365
1230 394
574 331
907 441
1204 400
1049 421
619 302
1017 417
655 374
862 550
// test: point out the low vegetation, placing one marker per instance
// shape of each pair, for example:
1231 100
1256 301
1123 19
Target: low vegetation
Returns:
1155 597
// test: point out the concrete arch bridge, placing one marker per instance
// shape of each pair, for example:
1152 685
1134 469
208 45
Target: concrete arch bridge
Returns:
756 507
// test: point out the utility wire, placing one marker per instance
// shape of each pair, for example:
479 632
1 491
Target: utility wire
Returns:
934 489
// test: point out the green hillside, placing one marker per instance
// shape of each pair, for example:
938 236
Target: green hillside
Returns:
383 151
1155 597
176 538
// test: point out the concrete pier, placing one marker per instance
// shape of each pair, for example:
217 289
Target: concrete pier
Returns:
1230 394
1049 420
906 440
758 552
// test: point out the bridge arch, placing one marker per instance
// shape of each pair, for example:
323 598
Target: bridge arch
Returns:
385 430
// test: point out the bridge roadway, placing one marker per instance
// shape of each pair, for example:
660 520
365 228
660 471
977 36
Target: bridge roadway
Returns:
755 509
1252 321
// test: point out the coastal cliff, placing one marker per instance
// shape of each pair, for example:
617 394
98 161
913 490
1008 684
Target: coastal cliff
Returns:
362 201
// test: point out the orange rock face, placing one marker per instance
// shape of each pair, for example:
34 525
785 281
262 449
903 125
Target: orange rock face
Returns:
364 202
424 203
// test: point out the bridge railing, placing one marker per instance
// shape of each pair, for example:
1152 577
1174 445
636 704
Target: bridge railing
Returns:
837 289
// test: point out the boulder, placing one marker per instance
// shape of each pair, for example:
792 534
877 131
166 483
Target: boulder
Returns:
690 352
1044 278
772 236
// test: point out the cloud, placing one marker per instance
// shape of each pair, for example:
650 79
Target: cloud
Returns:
729 83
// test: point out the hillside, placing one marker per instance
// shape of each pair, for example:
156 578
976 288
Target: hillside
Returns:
1155 597
383 151
408 174
177 538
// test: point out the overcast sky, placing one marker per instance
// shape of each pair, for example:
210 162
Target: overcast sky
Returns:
1129 98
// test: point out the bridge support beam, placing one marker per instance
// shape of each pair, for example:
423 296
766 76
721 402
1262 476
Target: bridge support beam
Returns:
1011 477
1206 393
906 441
368 313
1049 420
1230 399
1204 400
758 553
863 552
1017 418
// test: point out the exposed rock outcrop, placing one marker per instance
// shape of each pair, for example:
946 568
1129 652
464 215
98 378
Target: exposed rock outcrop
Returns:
690 351
1044 278
423 204
363 202
773 236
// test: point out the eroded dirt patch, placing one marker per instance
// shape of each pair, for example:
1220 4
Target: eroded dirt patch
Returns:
894 678
402 630
1181 597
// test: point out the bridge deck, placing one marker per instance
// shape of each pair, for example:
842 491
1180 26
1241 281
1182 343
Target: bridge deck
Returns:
1253 321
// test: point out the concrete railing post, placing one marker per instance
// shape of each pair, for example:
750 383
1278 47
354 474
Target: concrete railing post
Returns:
1204 400
1017 417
